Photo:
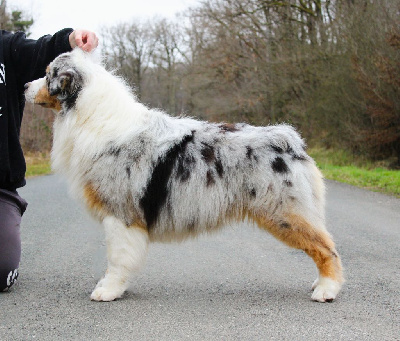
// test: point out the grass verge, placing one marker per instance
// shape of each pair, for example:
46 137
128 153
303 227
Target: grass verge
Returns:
342 166
37 164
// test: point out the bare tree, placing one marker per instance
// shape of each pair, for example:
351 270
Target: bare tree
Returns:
129 48
167 59
317 64
375 60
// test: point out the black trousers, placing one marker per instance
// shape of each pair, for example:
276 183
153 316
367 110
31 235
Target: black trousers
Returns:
12 207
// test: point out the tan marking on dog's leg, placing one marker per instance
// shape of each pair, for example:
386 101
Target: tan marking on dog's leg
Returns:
139 224
296 232
93 201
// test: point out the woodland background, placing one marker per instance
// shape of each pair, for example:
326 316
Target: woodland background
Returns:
331 68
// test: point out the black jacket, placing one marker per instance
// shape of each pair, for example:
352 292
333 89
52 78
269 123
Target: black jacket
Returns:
21 60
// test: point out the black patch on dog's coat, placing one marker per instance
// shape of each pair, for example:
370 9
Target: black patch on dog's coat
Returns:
288 183
210 178
295 156
279 165
290 151
156 192
219 168
114 151
185 162
70 100
299 157
249 152
284 225
185 165
277 149
207 153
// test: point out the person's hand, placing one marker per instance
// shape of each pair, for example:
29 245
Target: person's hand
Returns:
85 40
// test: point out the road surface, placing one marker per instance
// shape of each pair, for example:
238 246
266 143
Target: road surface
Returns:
240 284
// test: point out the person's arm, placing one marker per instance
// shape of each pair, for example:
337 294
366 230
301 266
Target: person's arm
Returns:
31 57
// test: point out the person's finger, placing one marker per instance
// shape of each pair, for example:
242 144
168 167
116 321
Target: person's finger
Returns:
89 41
79 39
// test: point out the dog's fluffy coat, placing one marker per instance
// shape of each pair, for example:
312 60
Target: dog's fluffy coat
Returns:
148 176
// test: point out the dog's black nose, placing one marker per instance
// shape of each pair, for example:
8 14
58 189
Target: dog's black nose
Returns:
26 86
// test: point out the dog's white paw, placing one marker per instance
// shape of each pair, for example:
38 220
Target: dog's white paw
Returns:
325 289
104 294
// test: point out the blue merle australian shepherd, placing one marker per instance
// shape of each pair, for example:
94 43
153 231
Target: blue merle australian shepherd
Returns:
147 176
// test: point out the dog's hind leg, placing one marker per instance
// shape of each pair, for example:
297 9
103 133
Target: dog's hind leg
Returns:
297 232
126 252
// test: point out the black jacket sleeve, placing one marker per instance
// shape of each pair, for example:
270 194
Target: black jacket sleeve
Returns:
32 56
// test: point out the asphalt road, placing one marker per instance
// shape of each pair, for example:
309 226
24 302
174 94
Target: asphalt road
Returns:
240 284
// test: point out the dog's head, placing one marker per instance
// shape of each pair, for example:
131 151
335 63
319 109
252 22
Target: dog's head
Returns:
61 86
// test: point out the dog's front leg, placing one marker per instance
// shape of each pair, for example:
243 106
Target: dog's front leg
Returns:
126 251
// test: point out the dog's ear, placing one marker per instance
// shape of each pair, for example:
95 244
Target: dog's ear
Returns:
64 83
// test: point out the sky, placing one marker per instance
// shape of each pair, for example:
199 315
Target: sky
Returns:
51 15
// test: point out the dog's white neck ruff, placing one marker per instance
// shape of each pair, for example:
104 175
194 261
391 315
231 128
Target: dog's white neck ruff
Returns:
106 112
105 105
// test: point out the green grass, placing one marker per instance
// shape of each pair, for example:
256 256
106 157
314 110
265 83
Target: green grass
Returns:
37 164
342 166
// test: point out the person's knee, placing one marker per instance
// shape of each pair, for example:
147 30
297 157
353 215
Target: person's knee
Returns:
10 255
7 278
12 206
